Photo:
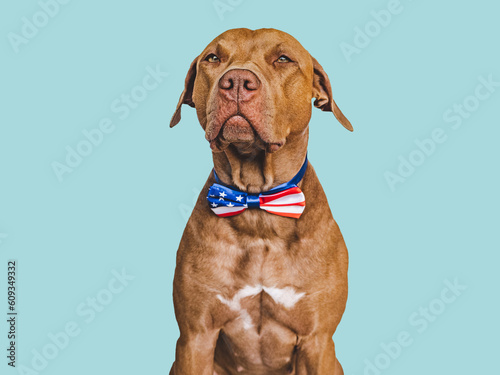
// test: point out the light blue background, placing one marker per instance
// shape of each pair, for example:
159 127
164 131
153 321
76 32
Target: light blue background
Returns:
125 205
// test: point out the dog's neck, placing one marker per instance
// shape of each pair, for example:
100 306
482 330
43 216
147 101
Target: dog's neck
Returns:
255 170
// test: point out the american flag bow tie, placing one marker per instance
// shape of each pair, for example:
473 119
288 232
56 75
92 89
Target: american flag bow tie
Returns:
285 200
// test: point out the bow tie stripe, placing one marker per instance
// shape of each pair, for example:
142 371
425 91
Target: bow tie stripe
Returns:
289 203
228 211
284 200
287 211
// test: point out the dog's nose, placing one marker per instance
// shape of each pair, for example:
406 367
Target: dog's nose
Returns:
239 85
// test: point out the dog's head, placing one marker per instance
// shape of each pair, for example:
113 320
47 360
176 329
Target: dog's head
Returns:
253 88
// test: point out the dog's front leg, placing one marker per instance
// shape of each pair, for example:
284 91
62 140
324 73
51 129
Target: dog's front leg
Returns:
194 310
195 353
316 355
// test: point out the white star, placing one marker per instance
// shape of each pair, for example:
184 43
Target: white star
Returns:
222 194
245 205
214 204
221 199
239 198
230 204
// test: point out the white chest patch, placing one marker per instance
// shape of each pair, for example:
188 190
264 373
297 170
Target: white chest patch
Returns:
287 297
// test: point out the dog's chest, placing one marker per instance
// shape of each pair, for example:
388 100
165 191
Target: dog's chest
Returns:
270 281
262 329
267 286
248 302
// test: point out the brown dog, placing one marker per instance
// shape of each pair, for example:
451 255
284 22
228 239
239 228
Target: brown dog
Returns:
258 293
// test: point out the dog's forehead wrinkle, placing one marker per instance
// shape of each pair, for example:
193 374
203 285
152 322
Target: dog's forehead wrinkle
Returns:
283 47
223 46
262 41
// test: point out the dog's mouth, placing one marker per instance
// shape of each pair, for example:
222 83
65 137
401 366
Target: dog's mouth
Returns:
237 128
240 132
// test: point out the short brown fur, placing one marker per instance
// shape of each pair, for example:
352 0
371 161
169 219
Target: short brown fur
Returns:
219 256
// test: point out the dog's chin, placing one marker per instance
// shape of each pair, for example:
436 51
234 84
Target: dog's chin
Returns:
239 132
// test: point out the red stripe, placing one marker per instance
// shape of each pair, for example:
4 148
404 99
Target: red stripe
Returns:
294 190
286 214
303 203
264 198
227 214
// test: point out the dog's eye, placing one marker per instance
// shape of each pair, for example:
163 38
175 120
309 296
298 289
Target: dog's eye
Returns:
212 58
284 59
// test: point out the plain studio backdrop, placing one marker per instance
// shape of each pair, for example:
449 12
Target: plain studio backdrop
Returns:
96 189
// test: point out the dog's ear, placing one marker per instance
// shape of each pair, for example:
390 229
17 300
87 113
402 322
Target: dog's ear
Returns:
322 91
187 94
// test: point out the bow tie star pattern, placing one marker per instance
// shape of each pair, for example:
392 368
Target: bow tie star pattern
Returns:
284 200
